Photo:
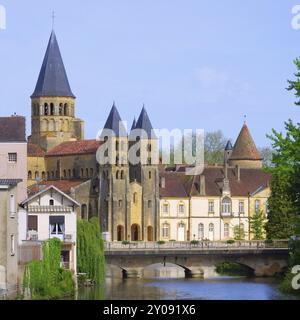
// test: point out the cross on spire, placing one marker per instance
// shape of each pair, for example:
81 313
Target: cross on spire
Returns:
53 19
245 118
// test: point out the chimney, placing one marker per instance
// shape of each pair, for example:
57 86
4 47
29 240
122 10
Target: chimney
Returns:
238 172
202 185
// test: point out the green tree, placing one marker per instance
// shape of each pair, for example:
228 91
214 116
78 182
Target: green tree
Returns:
90 250
257 225
45 279
238 232
284 203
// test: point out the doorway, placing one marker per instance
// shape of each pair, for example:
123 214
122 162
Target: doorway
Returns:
135 232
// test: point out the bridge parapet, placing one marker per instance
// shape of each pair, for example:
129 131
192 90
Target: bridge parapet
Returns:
201 245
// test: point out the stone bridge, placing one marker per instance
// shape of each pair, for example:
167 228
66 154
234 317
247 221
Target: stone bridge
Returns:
198 260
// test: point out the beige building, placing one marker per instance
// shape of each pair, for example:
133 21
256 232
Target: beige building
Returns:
13 190
218 204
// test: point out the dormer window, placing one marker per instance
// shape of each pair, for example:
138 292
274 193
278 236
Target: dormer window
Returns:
226 205
51 202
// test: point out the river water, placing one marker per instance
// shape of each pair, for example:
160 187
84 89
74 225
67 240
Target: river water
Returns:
170 284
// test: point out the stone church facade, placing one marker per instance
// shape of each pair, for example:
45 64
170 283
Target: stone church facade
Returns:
125 198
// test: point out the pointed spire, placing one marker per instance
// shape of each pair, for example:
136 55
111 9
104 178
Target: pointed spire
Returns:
228 146
145 123
133 124
114 122
53 80
245 148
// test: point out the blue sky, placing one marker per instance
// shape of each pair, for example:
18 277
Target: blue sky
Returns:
194 63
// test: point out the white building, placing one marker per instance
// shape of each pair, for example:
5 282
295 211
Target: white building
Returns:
50 213
218 204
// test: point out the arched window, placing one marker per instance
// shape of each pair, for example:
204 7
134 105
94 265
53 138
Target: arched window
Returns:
36 175
165 230
82 173
150 174
74 173
87 172
226 230
29 175
48 175
60 109
120 233
201 231
135 197
122 174
117 174
46 109
69 173
149 204
65 174
52 175
51 109
44 175
211 227
66 109
226 205
51 202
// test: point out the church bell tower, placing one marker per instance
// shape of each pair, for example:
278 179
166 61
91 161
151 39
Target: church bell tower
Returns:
53 103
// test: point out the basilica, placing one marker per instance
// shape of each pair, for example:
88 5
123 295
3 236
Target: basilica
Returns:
145 201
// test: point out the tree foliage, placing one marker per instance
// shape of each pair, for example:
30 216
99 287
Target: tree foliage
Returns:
257 225
45 279
238 232
284 203
90 250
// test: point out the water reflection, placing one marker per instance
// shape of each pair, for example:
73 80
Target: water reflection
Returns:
169 283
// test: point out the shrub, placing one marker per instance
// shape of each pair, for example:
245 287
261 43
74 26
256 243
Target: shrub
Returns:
125 242
160 242
230 241
194 242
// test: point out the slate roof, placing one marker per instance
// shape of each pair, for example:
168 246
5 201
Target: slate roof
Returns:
228 146
75 147
133 124
33 150
178 184
10 182
144 123
12 129
53 80
114 123
244 147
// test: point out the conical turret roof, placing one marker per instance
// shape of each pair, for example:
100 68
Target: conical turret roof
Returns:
114 123
53 80
245 148
144 123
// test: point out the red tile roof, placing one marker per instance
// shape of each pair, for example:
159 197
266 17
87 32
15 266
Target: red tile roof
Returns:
33 150
75 147
63 185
